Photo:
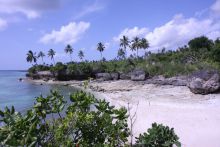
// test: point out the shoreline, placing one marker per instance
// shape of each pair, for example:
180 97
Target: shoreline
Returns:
195 118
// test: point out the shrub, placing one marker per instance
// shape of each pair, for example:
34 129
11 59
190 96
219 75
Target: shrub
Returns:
87 122
158 136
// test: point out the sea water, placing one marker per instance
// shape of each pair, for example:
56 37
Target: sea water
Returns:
22 95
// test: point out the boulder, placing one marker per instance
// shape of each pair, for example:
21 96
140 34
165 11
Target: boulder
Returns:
204 82
115 76
103 76
44 74
138 75
125 76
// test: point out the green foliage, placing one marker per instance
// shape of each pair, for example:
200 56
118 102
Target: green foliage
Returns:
202 53
200 42
36 68
158 136
87 122
216 51
59 67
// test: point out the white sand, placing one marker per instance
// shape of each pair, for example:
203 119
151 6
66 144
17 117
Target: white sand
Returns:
195 118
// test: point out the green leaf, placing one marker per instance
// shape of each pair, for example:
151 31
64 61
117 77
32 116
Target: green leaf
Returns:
1 113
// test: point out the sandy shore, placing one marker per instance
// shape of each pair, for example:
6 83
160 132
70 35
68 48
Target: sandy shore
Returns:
195 118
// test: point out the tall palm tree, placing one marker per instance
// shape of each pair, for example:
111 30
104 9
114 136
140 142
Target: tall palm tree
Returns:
31 57
121 53
69 50
51 54
124 42
100 48
136 44
81 54
144 44
41 55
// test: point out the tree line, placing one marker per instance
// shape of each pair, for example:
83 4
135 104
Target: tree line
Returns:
134 45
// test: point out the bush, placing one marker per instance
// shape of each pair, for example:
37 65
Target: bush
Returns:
158 136
87 122
37 68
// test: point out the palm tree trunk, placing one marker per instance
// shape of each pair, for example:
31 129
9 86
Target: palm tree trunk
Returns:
42 60
126 56
137 52
53 61
101 55
71 58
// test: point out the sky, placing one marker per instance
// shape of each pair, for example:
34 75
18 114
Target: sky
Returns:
40 25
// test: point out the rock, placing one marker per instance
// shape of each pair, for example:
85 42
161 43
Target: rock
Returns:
103 76
35 76
45 74
20 79
125 76
138 75
115 76
204 82
45 79
175 81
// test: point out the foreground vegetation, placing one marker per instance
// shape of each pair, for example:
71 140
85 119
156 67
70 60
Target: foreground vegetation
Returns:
86 121
200 53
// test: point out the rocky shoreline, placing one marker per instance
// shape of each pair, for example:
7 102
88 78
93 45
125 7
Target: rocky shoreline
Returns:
201 82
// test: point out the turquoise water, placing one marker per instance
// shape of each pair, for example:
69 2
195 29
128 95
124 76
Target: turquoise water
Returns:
22 94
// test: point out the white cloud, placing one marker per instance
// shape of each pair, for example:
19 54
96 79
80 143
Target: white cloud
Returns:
3 24
131 33
180 30
31 9
216 7
96 6
107 45
68 34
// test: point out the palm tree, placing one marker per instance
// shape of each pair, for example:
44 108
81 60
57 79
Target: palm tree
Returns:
41 55
51 53
100 48
81 54
69 50
121 53
136 44
144 44
124 42
31 57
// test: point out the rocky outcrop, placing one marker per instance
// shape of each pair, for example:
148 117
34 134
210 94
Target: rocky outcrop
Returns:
125 76
44 74
103 76
204 82
115 76
138 75
107 76
175 81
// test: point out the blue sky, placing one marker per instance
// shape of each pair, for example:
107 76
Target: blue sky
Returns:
39 25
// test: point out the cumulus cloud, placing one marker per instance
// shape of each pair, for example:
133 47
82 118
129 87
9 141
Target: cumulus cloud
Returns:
68 34
180 30
131 33
30 8
3 24
216 7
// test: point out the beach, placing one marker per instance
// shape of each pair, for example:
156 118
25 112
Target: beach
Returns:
195 118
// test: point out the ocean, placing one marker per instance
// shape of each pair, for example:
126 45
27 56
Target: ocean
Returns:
22 95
